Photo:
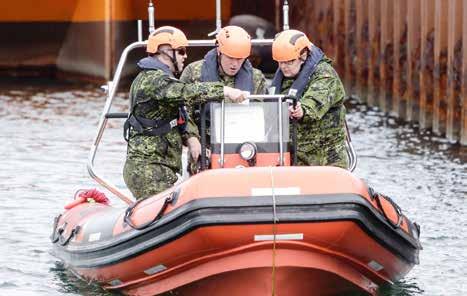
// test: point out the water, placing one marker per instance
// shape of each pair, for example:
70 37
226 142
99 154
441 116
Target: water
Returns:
46 133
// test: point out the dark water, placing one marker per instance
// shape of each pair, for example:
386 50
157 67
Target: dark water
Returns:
46 131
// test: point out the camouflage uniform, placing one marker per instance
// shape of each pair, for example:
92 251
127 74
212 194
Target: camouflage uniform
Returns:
192 73
321 131
153 161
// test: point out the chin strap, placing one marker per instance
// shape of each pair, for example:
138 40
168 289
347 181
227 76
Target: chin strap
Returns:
173 59
174 62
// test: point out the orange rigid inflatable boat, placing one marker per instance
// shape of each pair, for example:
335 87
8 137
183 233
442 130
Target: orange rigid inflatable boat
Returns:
249 231
249 223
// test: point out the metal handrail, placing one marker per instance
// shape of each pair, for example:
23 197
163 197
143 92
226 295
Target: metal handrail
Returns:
222 133
281 148
218 18
212 42
112 87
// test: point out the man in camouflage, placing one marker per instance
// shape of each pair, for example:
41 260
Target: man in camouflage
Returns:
227 64
157 125
304 71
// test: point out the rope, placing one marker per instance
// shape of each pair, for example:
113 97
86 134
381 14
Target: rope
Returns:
129 211
274 231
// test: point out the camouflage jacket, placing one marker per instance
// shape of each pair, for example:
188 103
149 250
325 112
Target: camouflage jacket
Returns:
321 131
192 73
155 95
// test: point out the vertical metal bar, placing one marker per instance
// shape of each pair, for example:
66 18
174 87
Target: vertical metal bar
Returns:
218 19
151 17
281 148
108 39
397 34
463 127
140 30
285 18
222 133
218 15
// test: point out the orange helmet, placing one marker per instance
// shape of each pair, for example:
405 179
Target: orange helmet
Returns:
234 41
288 45
166 35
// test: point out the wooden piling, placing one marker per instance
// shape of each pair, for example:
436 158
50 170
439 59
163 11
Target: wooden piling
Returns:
463 122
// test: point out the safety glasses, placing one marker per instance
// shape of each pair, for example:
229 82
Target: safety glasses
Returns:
181 51
287 63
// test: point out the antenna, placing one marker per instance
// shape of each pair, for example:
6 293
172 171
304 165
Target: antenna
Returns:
218 18
285 11
151 17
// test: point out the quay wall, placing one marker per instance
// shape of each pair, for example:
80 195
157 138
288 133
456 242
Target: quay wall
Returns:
407 57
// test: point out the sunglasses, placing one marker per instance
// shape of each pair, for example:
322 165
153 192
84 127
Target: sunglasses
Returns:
288 63
181 51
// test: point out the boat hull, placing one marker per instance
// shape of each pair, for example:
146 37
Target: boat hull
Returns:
283 240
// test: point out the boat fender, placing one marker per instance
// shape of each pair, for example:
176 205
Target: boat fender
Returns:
170 199
89 195
391 211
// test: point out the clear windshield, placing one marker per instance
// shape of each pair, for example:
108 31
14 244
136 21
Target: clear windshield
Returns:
256 122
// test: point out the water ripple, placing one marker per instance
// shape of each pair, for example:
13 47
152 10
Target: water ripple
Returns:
47 132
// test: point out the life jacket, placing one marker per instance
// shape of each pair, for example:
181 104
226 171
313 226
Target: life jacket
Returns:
154 127
210 72
308 69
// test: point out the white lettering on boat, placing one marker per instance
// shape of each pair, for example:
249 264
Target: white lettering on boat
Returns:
94 237
265 191
279 237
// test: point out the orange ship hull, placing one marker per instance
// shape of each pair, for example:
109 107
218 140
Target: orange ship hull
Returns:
249 231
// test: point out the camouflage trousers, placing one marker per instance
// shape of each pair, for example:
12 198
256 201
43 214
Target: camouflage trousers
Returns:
336 156
145 179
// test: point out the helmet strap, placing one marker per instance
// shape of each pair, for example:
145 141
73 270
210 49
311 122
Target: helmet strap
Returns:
174 62
173 59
